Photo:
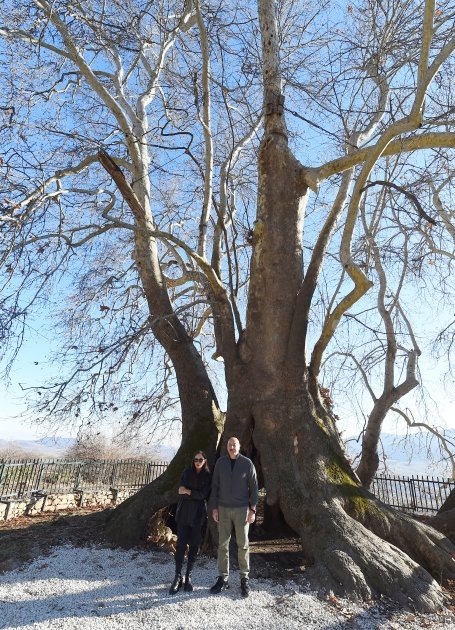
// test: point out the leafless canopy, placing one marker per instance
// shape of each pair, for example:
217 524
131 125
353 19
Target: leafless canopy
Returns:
172 93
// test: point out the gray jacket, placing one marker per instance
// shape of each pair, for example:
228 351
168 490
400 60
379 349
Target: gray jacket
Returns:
234 488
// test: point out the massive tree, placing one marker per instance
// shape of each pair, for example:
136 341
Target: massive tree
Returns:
151 158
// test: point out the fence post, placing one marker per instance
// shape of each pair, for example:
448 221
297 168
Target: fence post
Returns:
40 474
78 476
148 475
2 470
413 493
113 479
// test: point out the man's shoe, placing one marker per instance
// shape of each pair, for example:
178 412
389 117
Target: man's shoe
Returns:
221 584
245 587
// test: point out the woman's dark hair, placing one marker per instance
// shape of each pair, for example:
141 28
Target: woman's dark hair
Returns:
205 466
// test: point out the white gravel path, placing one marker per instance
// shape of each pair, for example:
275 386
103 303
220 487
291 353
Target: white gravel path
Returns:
94 589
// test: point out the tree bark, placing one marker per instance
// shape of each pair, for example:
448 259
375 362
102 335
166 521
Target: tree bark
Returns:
444 522
202 419
356 545
449 503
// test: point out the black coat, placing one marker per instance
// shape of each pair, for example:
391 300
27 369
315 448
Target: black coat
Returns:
192 509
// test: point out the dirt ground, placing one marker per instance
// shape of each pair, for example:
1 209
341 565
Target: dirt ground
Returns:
24 538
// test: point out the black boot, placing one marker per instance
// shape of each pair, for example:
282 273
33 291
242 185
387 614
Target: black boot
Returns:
188 584
178 580
221 584
176 584
245 586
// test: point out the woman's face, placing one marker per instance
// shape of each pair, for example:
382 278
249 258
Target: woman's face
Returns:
198 461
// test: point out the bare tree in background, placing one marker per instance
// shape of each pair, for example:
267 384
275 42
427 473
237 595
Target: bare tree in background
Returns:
158 182
92 447
12 450
382 346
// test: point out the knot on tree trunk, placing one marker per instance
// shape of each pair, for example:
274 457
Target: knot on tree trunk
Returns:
274 103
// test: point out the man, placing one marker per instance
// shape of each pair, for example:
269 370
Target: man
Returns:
234 497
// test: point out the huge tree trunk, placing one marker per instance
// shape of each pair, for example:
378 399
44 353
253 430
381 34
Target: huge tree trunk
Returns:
129 524
202 423
444 521
202 419
357 545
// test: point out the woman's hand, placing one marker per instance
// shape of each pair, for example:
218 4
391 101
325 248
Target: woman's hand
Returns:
183 490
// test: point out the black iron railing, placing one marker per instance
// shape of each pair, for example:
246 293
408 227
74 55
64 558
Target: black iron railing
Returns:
22 478
417 494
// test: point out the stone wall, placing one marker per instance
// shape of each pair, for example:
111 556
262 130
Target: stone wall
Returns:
56 502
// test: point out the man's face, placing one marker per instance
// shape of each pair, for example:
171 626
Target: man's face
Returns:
233 448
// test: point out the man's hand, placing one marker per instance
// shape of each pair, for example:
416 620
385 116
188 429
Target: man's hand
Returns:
215 515
251 517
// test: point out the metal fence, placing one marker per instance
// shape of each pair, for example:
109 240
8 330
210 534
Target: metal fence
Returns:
22 478
424 495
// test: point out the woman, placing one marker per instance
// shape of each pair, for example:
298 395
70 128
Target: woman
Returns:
190 516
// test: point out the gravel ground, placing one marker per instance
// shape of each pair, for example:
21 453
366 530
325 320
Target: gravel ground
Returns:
91 588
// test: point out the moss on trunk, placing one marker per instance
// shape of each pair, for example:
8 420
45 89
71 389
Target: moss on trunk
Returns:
128 523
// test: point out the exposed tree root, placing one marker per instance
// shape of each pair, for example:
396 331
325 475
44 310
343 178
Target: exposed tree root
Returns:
352 560
444 522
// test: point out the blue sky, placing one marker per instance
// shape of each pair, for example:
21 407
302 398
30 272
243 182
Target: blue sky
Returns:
28 369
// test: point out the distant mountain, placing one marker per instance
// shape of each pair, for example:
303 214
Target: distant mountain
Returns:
56 442
45 447
415 454
56 447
